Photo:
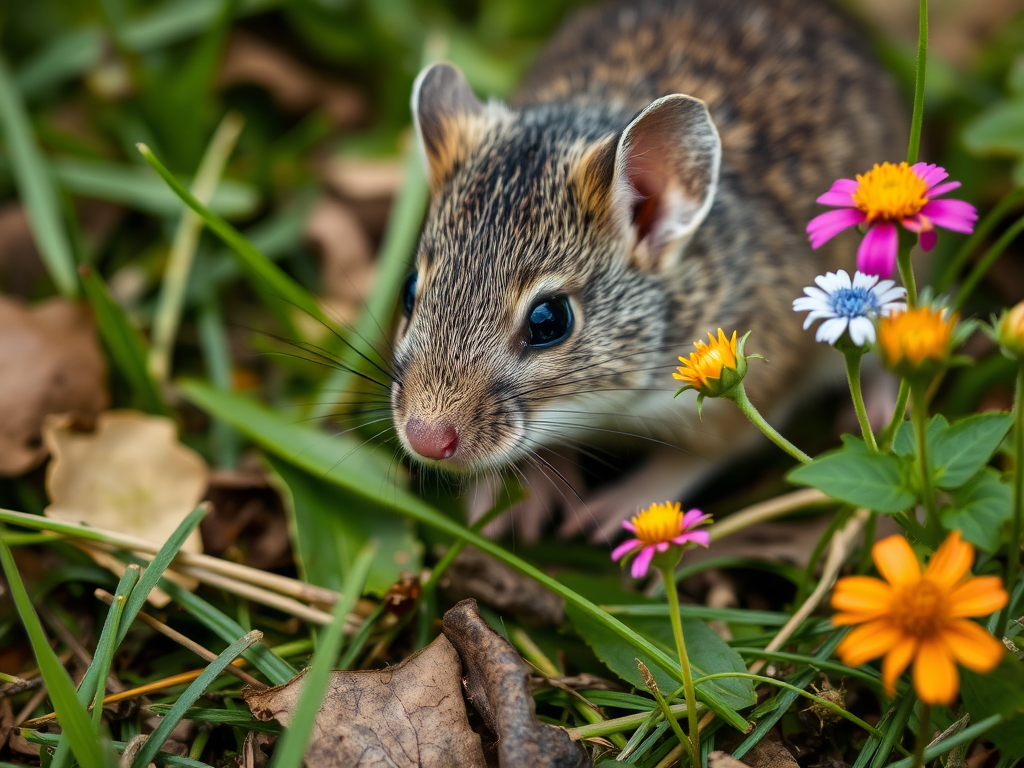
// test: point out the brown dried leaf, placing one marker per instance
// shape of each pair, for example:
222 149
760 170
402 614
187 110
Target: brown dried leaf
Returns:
496 682
411 715
130 475
50 363
346 256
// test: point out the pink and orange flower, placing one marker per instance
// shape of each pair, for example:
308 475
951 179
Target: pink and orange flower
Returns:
657 528
887 195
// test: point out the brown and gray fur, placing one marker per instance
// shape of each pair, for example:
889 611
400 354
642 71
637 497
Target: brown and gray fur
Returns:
544 196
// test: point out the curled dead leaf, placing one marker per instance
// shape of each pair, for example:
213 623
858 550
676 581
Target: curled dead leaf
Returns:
51 363
497 684
411 715
130 475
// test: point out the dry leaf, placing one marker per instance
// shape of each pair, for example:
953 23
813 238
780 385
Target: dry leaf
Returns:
357 179
130 475
476 575
411 715
50 363
496 681
346 257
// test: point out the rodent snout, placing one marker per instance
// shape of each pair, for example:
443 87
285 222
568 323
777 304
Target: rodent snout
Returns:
432 440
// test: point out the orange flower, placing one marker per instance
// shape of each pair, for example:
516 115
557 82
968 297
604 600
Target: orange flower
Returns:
920 617
715 368
916 338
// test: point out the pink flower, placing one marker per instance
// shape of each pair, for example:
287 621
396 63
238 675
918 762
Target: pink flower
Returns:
657 528
887 194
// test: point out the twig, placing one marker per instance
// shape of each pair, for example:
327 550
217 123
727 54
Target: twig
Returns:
187 642
767 510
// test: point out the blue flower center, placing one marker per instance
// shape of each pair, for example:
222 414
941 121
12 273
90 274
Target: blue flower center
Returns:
854 302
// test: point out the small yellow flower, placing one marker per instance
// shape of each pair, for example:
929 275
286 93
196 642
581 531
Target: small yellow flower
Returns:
890 191
658 527
920 617
916 339
1010 332
715 368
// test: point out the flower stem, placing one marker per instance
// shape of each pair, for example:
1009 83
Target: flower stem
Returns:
853 357
906 245
920 418
1013 556
885 440
739 396
923 732
922 67
668 576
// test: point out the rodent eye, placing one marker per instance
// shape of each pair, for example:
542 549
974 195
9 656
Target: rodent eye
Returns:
409 294
550 322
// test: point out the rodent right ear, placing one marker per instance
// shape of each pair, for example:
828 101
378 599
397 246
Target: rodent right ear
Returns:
446 112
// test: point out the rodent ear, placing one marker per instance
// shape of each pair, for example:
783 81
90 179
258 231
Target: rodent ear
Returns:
666 174
445 110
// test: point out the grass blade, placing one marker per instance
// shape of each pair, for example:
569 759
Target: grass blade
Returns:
35 185
74 720
126 345
292 746
191 696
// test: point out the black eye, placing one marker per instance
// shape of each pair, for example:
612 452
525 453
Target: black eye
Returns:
409 294
550 322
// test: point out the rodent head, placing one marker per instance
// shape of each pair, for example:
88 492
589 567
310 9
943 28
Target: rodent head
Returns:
540 276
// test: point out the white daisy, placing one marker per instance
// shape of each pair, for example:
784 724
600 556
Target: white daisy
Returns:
846 305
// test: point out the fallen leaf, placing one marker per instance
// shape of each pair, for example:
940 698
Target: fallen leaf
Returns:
346 255
51 363
411 715
130 475
497 684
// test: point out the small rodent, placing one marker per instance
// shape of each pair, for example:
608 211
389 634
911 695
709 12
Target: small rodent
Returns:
650 182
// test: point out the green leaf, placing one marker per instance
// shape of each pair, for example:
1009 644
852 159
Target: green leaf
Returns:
35 186
959 452
1000 692
999 130
858 476
327 533
708 654
73 718
123 340
980 510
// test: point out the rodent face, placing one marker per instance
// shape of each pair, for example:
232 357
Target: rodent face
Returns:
506 232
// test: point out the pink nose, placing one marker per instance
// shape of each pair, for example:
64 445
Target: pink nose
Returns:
432 440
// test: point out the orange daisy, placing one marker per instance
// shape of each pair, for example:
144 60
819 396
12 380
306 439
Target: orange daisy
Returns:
920 617
716 367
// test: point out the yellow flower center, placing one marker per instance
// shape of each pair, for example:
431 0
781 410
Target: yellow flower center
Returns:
659 522
920 609
889 191
916 335
708 361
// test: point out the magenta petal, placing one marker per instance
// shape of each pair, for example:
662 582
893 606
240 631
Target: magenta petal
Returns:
624 549
840 194
942 189
931 173
955 215
628 525
927 239
697 537
642 561
693 517
826 226
877 252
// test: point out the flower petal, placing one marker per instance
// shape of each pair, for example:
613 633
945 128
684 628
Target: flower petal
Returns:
972 645
979 596
867 282
955 215
840 194
832 330
624 548
951 561
640 563
935 677
868 641
876 254
693 517
928 238
895 560
628 524
862 594
823 228
696 537
897 660
942 189
862 331
930 173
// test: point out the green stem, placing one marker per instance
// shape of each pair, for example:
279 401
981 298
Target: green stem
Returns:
885 440
919 392
923 730
986 261
906 266
1013 555
922 67
853 357
981 232
669 578
739 396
